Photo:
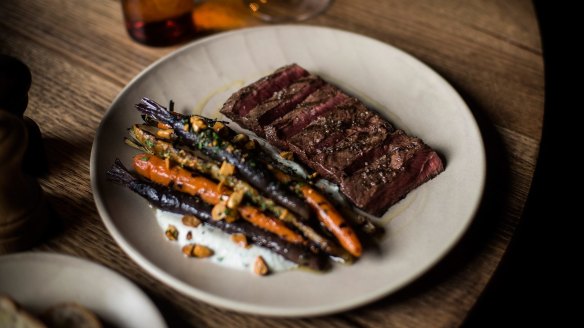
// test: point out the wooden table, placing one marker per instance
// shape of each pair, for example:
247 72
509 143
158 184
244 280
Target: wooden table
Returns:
81 57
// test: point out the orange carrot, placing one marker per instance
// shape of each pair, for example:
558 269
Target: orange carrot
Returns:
332 220
159 171
256 217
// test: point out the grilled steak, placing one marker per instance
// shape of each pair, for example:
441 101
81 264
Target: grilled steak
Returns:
335 134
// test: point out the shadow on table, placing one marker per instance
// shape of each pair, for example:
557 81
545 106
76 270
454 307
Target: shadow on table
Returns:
489 219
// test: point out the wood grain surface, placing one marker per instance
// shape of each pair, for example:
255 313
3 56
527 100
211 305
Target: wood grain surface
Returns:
81 57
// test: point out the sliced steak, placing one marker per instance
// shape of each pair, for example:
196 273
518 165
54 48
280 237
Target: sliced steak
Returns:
336 135
344 147
280 103
388 179
318 103
249 97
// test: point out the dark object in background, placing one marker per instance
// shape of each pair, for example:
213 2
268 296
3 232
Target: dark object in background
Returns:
160 22
15 81
23 208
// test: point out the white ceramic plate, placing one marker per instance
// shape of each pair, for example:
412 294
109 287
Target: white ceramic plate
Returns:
40 280
421 229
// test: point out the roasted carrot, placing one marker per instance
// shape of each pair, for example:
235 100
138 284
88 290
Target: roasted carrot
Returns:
256 217
332 219
157 170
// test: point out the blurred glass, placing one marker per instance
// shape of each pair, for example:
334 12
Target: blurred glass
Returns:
278 11
159 22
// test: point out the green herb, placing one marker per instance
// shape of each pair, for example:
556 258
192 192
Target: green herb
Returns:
149 143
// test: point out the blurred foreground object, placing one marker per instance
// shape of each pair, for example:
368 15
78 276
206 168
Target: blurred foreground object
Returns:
159 22
15 81
280 11
23 207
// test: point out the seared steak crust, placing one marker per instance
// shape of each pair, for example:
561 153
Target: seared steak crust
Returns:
335 134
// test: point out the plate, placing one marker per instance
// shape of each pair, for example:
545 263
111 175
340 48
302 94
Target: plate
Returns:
40 280
199 77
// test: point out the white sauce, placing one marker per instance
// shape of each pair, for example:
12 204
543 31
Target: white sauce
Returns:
226 252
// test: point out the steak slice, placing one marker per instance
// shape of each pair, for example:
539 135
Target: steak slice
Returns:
249 97
340 138
318 103
280 103
407 164
335 134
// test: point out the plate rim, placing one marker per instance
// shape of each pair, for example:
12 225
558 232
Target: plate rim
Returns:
39 257
222 302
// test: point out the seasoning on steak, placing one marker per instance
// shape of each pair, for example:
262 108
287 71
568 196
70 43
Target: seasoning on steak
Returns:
335 134
243 101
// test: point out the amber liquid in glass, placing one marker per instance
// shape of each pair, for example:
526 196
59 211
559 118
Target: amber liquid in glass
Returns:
159 22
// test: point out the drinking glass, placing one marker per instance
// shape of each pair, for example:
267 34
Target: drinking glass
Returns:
278 11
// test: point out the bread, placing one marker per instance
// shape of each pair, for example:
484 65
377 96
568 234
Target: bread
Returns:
69 315
13 316
64 315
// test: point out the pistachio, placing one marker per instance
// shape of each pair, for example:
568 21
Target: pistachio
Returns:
197 123
251 145
288 155
240 239
202 251
226 169
235 198
240 139
164 133
260 267
188 249
221 212
221 129
171 232
191 221
197 250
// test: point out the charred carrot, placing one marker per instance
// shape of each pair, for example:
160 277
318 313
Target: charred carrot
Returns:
194 131
256 217
144 139
332 219
159 171
182 203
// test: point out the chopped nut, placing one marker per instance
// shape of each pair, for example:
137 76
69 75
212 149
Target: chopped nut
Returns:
188 249
197 250
235 198
171 232
191 221
189 235
240 139
251 145
202 251
226 169
240 239
281 176
161 125
197 123
220 128
221 212
283 214
164 133
260 267
313 175
287 155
